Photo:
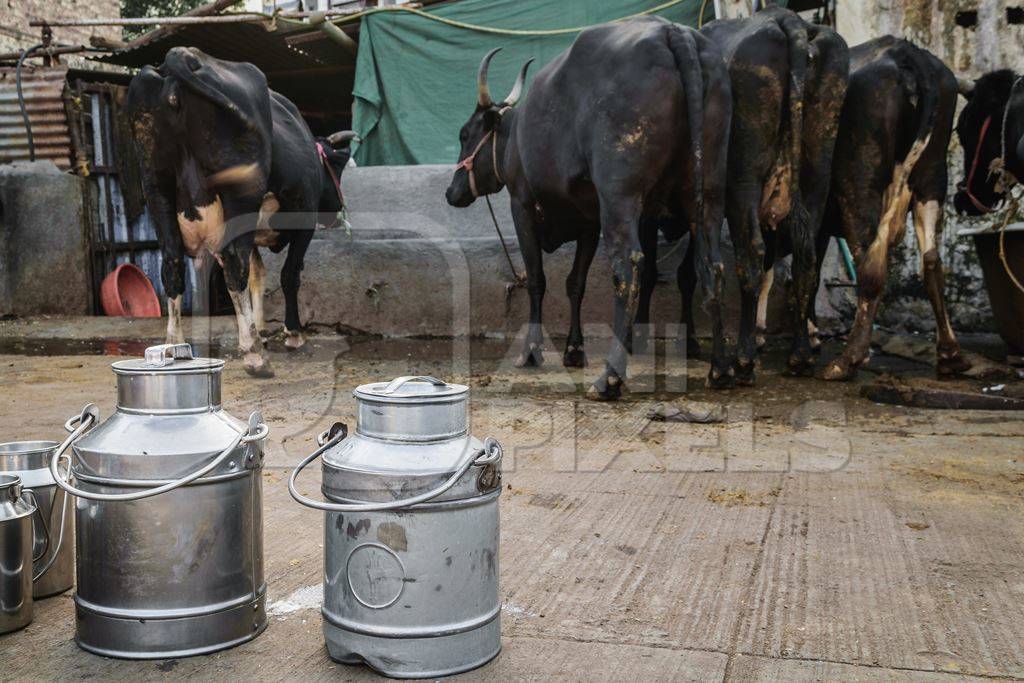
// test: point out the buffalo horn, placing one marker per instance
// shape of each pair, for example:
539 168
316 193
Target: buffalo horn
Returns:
965 86
483 92
517 89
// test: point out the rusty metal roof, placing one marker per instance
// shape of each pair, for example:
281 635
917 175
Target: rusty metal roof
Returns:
43 88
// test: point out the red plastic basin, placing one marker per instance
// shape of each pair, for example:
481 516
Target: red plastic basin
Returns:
127 292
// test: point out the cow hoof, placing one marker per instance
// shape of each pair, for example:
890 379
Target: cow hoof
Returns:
574 357
721 380
746 373
953 365
800 366
688 348
839 371
294 341
607 388
532 358
760 337
257 365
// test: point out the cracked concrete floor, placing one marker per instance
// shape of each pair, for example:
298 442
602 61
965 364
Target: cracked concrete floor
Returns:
811 536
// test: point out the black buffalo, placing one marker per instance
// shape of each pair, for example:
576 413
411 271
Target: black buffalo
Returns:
627 124
991 132
788 82
890 159
229 165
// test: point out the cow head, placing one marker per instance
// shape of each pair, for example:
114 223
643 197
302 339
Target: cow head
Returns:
481 138
334 152
993 99
218 111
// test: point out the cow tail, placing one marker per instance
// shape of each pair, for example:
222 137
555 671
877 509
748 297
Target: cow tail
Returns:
796 37
683 44
927 91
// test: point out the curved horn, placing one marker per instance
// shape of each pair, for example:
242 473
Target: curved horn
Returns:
517 90
483 92
342 137
965 86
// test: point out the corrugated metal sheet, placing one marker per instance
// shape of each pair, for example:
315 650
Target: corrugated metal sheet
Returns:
43 88
235 42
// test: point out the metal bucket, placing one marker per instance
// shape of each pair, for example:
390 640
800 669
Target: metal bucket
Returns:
410 533
16 514
54 544
169 513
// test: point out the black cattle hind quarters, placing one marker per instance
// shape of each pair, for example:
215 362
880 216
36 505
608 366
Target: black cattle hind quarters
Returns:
884 169
787 112
264 183
640 161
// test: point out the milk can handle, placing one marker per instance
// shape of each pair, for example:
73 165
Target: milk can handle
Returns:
489 454
397 383
90 414
60 541
165 354
42 521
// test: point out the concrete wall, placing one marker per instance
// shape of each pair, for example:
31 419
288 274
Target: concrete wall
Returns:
43 247
415 266
16 34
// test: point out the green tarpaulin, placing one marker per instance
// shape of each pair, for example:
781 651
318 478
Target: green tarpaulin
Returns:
415 79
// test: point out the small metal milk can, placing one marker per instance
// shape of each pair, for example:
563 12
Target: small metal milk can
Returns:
16 513
54 544
169 513
410 532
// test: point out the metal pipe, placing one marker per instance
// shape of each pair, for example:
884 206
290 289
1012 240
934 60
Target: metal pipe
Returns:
233 18
153 21
21 101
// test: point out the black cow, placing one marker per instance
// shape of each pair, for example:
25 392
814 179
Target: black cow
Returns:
890 159
991 132
626 124
788 82
229 165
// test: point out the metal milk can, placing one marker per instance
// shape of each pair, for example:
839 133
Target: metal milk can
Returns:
54 544
16 513
410 532
168 512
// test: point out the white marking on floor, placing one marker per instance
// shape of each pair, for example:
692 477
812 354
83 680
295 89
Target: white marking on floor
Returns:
309 597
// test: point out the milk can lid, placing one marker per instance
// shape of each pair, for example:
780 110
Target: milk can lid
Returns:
175 358
410 389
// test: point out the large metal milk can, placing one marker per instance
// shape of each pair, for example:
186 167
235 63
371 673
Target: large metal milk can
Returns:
168 512
410 532
16 514
54 544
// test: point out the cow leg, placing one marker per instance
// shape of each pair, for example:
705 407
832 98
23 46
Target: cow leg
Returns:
290 280
686 280
801 359
750 250
172 274
235 257
620 228
648 281
872 266
927 227
257 278
575 285
762 307
529 245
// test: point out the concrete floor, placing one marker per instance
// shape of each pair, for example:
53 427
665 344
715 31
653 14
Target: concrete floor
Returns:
811 536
